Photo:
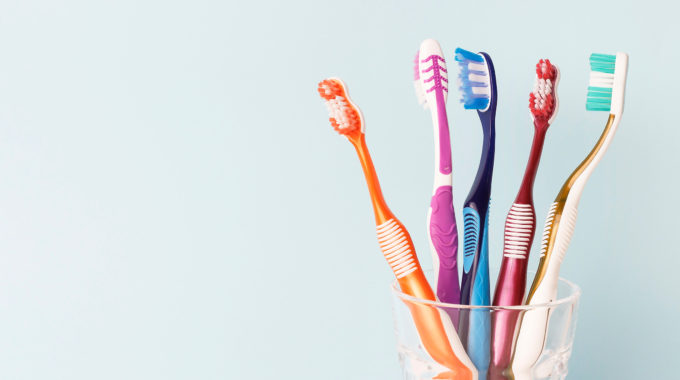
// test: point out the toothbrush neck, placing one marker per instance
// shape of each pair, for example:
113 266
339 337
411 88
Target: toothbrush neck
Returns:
441 123
481 188
578 178
526 190
382 212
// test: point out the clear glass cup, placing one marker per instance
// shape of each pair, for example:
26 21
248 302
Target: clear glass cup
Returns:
551 361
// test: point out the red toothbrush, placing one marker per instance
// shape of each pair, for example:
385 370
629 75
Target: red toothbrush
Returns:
520 224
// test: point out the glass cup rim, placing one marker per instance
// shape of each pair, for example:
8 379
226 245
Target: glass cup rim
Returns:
574 295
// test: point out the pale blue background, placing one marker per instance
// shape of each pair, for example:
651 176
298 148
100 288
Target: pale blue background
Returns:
175 205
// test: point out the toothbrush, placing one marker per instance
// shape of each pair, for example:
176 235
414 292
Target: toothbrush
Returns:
431 83
605 93
520 224
478 87
395 241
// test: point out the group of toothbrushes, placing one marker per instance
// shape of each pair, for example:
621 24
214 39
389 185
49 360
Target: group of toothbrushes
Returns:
475 344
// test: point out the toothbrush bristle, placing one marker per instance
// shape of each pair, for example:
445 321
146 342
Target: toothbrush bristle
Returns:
416 71
601 83
473 79
345 117
432 73
417 85
542 100
545 69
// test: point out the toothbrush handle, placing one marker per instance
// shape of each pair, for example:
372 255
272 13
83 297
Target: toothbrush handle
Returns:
443 234
471 230
520 226
557 234
533 328
399 251
480 325
518 235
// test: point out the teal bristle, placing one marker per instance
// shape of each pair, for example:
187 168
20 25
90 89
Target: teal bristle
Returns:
604 63
599 96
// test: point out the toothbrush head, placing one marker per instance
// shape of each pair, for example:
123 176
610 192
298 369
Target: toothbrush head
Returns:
543 102
474 80
417 84
607 82
345 116
432 73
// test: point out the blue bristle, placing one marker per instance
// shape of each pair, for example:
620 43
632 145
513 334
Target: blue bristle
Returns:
469 99
462 55
600 98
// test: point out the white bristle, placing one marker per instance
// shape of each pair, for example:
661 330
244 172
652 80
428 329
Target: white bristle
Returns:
480 90
420 93
478 78
477 67
599 79
337 109
542 88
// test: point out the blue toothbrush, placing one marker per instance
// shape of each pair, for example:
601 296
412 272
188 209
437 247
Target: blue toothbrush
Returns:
478 88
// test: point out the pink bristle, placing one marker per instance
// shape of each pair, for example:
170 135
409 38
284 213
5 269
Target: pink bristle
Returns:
416 71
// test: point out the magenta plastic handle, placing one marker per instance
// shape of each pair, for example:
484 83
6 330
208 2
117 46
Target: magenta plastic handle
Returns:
444 235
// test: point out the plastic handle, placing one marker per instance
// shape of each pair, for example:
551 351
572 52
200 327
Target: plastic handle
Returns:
520 226
399 251
478 343
471 242
534 324
511 284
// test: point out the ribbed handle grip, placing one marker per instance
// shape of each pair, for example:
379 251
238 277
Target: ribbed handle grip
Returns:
565 230
519 230
397 248
478 342
518 235
471 229
559 228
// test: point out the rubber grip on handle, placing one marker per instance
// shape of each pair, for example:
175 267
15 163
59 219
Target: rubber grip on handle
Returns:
471 229
444 238
478 343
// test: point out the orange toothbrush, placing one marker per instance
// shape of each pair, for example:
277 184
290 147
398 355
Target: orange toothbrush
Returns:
395 241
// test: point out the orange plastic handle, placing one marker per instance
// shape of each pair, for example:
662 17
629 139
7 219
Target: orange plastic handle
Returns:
426 318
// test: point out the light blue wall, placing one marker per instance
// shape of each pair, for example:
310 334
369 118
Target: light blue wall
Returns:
174 204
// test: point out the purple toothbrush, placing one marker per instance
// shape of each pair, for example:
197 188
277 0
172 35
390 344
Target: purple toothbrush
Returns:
431 82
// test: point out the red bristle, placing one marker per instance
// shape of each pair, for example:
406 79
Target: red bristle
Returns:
545 70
